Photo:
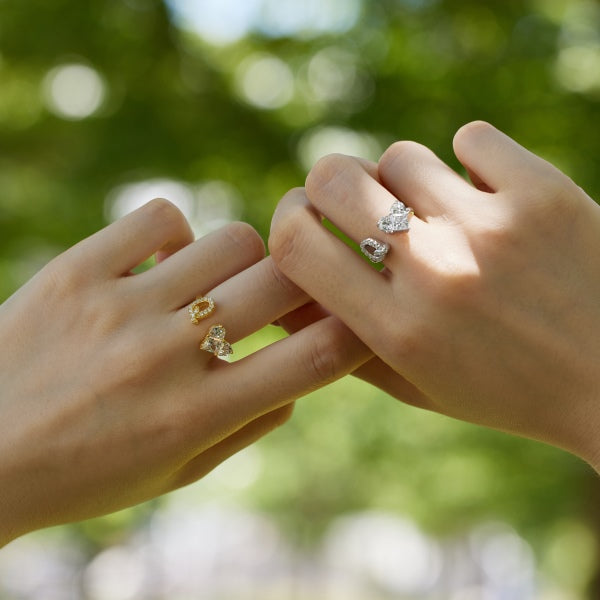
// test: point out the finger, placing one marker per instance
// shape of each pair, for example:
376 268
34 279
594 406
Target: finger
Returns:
245 303
414 174
118 248
344 190
205 462
292 367
479 184
306 314
374 371
200 266
381 375
322 265
495 160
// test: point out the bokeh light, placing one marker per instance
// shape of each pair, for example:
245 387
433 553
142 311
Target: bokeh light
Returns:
222 107
320 141
220 22
117 573
265 81
207 205
279 18
332 74
385 549
578 68
505 557
74 91
227 21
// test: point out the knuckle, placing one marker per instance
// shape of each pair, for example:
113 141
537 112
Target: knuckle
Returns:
495 236
162 210
64 277
281 283
174 429
289 239
556 196
457 290
60 275
407 346
325 174
70 289
325 359
469 131
453 283
246 238
121 361
168 217
404 337
322 365
399 153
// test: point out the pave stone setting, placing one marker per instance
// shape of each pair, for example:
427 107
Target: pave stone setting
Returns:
215 342
397 219
200 309
374 249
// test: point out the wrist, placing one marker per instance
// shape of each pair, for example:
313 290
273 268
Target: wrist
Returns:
10 528
12 501
584 439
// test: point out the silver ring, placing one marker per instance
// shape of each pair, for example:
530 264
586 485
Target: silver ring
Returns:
374 249
397 219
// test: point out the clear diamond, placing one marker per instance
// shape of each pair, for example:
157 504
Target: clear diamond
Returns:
224 349
218 331
397 219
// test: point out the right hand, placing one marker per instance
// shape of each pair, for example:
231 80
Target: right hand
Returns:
488 309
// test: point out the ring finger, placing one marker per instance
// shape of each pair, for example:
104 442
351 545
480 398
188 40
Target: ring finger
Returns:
243 304
347 191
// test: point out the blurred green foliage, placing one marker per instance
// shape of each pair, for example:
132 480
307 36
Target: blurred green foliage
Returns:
176 108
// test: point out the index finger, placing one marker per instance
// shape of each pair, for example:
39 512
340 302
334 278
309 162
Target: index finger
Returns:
322 265
158 226
495 160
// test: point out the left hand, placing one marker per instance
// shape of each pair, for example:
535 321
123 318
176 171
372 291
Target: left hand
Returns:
105 396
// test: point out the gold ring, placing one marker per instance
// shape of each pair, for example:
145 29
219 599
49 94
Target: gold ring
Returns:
215 343
200 309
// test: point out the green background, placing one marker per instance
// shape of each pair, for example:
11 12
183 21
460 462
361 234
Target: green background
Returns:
175 108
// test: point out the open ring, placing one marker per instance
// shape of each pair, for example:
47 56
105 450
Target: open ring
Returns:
200 309
215 342
374 249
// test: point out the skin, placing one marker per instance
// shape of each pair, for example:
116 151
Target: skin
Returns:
107 399
488 308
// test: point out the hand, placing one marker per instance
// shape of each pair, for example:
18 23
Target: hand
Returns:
106 398
488 309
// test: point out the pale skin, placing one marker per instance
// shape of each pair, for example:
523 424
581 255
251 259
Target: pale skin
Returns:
106 398
488 309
